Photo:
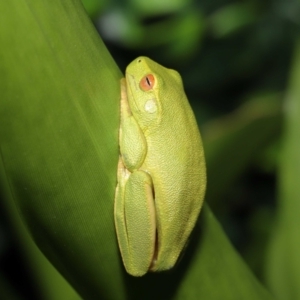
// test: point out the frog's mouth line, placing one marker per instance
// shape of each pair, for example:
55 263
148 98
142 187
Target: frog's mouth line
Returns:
131 79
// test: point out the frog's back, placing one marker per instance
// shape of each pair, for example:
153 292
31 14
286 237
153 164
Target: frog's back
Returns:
175 160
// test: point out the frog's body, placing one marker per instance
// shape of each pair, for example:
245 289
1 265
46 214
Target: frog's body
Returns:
161 177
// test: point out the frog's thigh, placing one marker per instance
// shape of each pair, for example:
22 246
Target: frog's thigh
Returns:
140 221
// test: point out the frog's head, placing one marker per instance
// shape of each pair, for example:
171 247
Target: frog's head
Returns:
152 91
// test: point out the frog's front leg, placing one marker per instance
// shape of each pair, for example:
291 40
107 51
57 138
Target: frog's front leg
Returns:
136 222
133 145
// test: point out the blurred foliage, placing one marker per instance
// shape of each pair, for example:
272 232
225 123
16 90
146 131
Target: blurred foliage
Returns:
283 262
235 61
242 79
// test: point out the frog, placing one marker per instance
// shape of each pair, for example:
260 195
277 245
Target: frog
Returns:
161 170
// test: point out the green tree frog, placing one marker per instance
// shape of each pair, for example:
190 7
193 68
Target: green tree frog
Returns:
161 169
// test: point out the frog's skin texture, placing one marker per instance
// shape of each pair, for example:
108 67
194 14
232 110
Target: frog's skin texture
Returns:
161 170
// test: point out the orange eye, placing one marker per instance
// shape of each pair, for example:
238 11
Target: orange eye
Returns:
147 82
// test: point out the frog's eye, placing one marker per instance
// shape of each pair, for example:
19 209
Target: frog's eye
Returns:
147 82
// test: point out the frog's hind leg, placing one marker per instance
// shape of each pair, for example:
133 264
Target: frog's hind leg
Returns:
140 221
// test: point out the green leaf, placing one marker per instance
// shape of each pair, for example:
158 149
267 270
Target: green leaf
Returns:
48 283
59 121
283 268
58 127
